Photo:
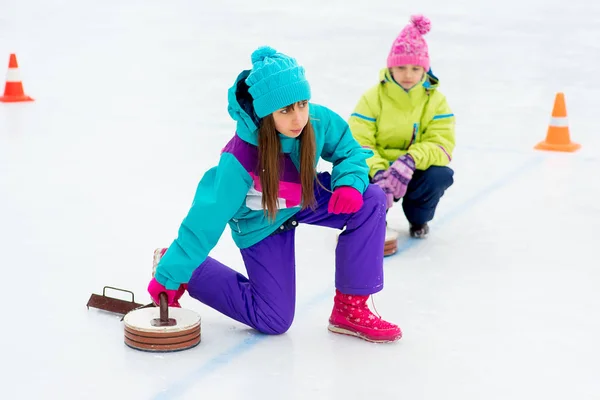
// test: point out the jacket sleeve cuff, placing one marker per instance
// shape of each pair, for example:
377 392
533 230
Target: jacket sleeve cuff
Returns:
166 282
352 181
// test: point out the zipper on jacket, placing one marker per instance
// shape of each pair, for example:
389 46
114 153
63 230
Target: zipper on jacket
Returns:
238 225
414 134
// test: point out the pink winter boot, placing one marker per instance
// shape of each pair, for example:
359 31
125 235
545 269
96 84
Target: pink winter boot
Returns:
351 316
158 254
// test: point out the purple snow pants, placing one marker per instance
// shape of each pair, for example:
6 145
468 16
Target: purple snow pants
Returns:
266 299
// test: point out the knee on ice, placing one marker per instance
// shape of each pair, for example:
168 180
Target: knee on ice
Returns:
276 324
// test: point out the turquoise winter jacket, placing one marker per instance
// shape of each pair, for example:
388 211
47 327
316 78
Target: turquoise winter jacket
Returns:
230 192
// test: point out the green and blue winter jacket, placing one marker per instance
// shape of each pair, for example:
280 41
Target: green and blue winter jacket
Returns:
392 122
230 193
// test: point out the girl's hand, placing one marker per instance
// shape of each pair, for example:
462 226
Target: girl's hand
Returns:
173 296
345 200
397 177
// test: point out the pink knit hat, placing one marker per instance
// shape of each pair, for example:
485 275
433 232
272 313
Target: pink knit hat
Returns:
410 47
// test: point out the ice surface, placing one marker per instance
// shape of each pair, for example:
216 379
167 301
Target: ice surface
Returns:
500 302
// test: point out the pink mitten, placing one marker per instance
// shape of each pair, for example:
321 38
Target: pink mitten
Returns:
399 175
173 296
379 175
379 180
345 200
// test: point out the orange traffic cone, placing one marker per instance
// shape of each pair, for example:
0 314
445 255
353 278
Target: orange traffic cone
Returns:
13 91
558 137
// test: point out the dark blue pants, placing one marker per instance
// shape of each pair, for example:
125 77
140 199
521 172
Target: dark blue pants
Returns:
424 192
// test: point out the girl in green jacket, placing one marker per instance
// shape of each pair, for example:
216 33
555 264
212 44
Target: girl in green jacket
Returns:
409 126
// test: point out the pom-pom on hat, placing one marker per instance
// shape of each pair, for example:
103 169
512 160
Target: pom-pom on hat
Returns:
410 47
276 81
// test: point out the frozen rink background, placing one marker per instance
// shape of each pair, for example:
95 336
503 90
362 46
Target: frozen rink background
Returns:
500 302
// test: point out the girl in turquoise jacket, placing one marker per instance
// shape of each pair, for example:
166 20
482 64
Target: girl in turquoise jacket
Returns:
263 187
409 126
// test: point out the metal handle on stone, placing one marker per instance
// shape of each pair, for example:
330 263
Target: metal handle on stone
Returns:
164 308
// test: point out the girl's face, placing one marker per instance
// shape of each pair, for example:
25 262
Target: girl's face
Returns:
408 76
290 120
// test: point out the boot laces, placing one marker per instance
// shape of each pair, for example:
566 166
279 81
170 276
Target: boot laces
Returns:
375 308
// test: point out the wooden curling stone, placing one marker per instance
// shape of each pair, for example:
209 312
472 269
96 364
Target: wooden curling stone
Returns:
391 242
162 329
390 248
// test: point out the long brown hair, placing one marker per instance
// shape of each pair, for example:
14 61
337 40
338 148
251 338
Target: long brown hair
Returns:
271 160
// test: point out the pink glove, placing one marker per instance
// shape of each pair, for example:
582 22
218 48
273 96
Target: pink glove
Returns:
397 177
378 176
173 296
379 180
345 200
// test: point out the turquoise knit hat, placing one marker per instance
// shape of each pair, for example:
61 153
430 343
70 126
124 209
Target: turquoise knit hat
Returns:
276 81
